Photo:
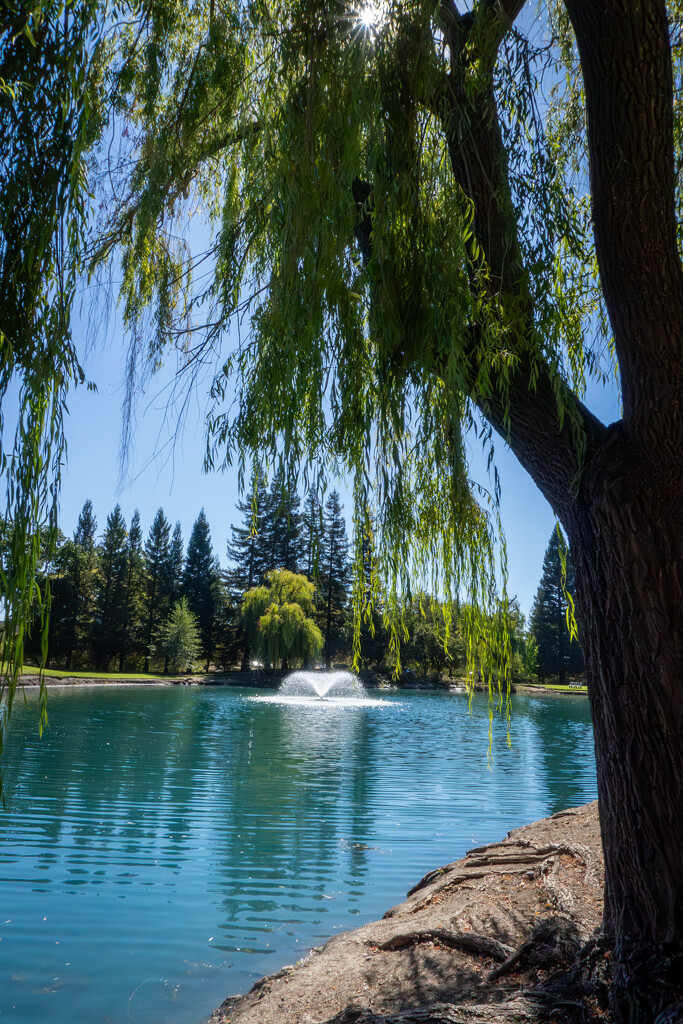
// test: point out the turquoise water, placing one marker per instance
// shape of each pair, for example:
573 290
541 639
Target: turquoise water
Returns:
165 846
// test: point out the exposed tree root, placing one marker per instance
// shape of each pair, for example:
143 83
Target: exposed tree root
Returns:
516 1011
553 943
468 941
502 936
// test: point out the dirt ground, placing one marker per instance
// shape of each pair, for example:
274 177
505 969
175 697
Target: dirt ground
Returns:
494 937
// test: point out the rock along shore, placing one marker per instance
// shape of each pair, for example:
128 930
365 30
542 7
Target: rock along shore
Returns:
493 937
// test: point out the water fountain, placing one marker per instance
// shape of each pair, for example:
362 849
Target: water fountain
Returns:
333 691
323 685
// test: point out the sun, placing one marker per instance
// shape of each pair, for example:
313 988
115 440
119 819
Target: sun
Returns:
371 15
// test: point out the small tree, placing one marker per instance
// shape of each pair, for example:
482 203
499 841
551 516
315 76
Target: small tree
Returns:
277 619
178 638
430 645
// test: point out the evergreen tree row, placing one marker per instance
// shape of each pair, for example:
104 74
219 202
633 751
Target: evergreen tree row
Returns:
124 602
113 594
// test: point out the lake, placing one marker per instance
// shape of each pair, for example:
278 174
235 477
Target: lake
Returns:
165 846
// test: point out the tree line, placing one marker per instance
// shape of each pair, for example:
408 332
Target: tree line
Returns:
115 595
122 601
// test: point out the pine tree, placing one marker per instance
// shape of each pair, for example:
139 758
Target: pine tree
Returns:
200 580
73 589
312 528
246 550
158 577
334 571
282 527
111 590
373 633
176 563
64 585
84 536
557 652
134 588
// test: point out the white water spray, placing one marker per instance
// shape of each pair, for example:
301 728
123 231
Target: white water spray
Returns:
323 685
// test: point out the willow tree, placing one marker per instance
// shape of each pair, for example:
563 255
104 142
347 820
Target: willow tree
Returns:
428 221
47 97
278 622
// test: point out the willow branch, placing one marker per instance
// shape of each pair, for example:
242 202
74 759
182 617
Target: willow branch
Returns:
172 189
550 431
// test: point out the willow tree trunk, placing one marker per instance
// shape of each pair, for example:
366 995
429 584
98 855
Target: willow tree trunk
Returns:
626 538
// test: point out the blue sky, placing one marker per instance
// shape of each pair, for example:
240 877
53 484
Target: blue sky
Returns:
160 473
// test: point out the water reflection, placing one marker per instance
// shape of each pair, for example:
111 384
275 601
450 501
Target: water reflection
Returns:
219 835
562 765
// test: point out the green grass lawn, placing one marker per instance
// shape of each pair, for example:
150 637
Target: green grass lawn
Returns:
556 686
30 670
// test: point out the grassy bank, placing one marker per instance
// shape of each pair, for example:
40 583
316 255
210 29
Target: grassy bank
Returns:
53 673
577 688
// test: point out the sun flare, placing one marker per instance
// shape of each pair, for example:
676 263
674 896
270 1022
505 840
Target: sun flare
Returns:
372 14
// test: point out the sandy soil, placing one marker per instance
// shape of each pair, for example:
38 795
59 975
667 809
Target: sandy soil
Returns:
484 939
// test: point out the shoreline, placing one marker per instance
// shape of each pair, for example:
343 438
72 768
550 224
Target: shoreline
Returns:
257 680
492 938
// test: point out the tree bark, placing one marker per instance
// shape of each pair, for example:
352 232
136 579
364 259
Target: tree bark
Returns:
627 544
626 525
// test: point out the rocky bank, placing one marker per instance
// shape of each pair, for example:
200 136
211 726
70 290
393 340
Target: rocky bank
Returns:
494 937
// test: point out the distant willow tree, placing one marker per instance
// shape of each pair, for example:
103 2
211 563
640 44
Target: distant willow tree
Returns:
558 651
278 617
